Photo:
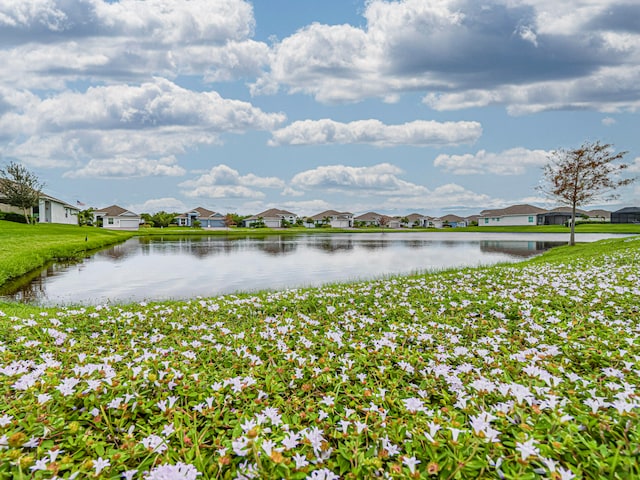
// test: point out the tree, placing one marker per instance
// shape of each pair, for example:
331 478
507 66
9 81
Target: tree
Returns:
163 219
20 187
580 176
85 217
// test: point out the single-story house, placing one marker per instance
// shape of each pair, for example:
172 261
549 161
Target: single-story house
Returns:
373 219
562 216
453 221
272 218
206 218
599 215
369 219
116 218
416 220
626 215
334 219
48 210
515 215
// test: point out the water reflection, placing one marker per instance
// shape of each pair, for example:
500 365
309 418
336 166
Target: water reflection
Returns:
185 267
522 249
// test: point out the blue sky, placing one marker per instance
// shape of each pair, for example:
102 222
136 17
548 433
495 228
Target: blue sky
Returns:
430 106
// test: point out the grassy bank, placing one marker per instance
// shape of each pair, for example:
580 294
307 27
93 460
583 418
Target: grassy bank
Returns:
515 371
24 248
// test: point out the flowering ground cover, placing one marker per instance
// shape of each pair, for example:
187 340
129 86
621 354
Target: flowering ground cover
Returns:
514 371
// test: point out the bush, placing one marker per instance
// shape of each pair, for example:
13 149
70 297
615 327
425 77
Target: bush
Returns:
12 217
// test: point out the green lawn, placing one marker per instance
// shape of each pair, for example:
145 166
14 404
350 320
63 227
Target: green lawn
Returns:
24 248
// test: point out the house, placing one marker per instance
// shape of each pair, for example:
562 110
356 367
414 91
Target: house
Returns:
416 220
116 218
599 216
272 218
206 218
560 216
453 221
52 210
626 215
48 210
373 219
334 219
515 215
369 219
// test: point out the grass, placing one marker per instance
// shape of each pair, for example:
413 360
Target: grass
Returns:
24 248
521 371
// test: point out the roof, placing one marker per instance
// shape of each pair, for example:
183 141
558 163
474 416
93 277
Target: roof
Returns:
272 212
513 210
415 216
330 213
202 212
369 216
567 210
628 210
49 197
451 218
599 213
115 211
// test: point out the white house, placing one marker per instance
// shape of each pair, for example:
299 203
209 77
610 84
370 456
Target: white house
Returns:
116 218
271 218
515 215
334 219
48 210
52 210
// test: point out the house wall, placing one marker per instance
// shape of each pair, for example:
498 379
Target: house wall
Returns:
341 223
508 220
54 212
271 222
121 223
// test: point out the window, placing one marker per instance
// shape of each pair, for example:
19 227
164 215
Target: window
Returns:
110 221
530 219
486 220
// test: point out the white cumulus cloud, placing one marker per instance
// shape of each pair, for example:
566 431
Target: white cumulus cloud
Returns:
381 179
223 181
374 132
128 168
510 162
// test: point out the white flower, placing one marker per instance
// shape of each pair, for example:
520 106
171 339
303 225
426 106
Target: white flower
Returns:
411 462
323 474
179 471
527 449
301 461
100 464
413 404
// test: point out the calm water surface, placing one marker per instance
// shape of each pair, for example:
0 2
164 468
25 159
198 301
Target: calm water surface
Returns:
186 267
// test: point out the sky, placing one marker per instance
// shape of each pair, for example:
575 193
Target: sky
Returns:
428 106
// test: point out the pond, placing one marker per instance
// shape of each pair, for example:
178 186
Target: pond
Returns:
152 268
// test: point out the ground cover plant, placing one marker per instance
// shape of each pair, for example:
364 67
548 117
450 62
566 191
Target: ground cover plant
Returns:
516 371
